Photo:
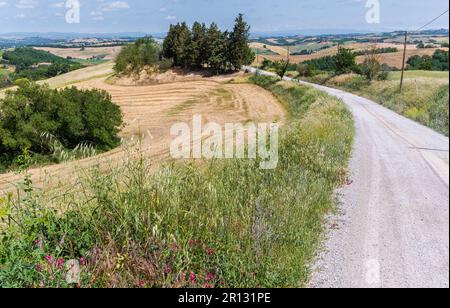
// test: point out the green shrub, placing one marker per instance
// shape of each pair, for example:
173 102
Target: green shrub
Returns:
72 116
135 57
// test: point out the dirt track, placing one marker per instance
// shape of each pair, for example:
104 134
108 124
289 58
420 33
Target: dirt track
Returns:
392 229
150 111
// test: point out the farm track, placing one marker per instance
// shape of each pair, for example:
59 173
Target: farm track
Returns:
150 111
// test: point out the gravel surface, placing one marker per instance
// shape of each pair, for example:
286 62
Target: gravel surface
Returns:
392 226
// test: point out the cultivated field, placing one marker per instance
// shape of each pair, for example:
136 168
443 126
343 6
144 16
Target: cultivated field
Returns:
391 59
150 111
107 52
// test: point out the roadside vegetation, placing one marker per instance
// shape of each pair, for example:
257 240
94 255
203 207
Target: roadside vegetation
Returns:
225 223
49 122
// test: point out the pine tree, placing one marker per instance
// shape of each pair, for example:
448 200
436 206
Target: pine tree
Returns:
240 53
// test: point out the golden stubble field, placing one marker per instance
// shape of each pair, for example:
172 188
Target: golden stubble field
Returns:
109 53
150 111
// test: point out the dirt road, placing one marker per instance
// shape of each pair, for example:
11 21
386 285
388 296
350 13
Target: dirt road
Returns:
392 229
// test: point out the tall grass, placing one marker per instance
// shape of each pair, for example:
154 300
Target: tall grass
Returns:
225 223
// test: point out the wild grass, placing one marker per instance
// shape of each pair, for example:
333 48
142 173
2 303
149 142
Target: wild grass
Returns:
225 223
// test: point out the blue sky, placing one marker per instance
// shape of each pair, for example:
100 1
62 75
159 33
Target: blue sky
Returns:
153 16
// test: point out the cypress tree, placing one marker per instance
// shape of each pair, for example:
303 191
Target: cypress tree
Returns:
239 51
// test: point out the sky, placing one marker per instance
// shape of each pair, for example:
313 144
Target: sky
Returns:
264 16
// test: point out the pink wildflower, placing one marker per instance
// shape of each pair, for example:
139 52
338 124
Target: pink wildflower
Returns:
83 261
60 263
50 259
192 278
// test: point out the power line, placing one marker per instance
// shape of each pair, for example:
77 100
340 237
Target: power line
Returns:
429 23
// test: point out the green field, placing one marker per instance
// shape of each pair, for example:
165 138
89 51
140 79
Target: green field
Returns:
441 76
265 52
309 47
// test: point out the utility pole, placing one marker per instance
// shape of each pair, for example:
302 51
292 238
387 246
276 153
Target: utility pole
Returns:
404 61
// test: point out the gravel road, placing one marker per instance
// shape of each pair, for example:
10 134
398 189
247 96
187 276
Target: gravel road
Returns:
392 228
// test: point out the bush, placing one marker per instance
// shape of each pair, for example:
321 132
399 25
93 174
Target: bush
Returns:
135 57
304 70
262 80
72 116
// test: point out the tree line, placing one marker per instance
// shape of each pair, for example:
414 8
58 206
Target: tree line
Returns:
208 47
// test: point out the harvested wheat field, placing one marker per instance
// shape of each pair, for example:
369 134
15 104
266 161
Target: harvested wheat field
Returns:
107 52
150 111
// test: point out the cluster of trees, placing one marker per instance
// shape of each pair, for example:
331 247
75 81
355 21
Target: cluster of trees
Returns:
209 47
438 62
343 62
72 116
377 51
143 54
27 56
36 64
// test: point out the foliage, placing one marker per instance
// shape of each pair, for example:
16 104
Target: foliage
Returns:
376 51
26 56
133 58
209 47
74 117
281 67
36 64
344 61
438 62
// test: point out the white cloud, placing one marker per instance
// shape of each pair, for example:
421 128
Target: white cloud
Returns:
3 4
115 6
20 16
97 15
27 4
170 17
58 5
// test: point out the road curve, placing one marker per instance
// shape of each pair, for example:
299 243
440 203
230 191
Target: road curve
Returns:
392 229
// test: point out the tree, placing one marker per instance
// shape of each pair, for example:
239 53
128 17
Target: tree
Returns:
240 52
182 42
371 67
281 67
216 48
197 47
169 44
304 70
132 59
345 61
